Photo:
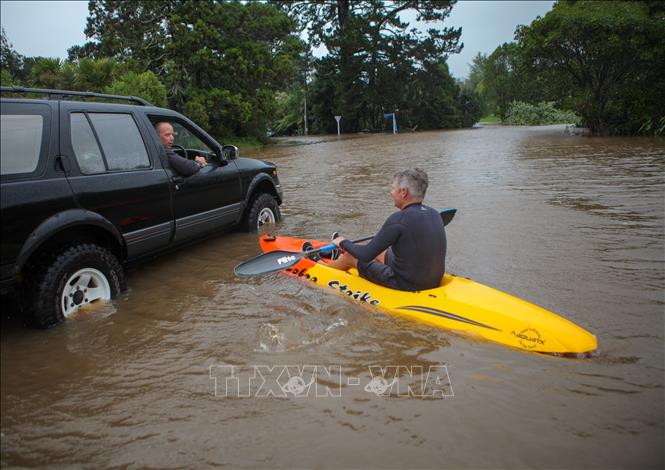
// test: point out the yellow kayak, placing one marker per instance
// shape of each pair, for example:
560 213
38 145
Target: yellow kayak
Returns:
458 304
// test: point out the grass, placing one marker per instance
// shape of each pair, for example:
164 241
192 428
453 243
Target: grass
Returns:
490 118
243 143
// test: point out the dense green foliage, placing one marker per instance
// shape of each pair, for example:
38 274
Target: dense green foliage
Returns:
290 112
602 57
222 62
474 82
603 60
145 85
241 68
10 60
378 63
525 114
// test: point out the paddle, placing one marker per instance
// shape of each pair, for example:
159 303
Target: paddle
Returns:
281 259
447 215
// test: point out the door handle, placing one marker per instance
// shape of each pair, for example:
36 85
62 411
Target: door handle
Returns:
62 164
178 180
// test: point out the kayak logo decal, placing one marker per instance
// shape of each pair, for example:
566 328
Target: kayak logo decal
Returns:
448 315
302 273
285 259
529 338
358 295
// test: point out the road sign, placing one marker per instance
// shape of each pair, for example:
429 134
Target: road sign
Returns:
394 117
338 118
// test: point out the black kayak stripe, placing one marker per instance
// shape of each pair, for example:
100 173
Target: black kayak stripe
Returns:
448 315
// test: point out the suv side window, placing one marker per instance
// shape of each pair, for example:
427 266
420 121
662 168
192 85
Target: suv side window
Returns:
87 152
23 138
187 139
113 138
121 141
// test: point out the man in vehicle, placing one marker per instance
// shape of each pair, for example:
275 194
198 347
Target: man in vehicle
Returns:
180 164
409 252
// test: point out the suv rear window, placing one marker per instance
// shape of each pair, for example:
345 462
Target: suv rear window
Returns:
122 147
20 142
85 146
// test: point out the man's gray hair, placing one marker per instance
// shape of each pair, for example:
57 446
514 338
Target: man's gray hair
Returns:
415 180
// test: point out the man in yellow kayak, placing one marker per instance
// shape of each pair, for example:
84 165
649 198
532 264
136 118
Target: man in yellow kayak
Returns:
409 252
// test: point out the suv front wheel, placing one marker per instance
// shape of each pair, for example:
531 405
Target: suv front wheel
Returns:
75 277
263 210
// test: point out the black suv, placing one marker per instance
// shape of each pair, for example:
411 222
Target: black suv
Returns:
86 187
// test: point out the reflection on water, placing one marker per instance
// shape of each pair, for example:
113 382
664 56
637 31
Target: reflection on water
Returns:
571 223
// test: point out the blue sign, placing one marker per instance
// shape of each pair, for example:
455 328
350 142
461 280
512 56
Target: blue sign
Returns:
388 115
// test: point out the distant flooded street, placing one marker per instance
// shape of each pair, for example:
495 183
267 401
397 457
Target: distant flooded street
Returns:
573 224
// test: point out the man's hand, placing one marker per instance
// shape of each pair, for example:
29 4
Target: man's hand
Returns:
201 160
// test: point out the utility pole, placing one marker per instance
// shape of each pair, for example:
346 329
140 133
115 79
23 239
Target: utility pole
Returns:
306 73
305 108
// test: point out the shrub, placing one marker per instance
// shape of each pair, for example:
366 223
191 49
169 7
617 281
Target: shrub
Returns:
145 85
653 127
526 114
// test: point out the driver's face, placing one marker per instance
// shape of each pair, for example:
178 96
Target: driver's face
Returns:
165 133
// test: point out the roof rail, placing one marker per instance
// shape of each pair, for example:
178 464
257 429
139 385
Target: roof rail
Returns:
60 94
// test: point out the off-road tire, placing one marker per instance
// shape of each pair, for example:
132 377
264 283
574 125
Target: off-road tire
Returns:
260 207
41 299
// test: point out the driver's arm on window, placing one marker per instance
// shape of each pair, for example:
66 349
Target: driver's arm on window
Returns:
183 166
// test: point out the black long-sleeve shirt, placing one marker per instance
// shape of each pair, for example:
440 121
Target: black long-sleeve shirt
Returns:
417 240
181 165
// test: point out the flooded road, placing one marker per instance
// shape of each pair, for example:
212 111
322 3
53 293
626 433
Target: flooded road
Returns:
183 370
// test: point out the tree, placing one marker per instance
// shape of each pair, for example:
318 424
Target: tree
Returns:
474 81
95 75
470 107
133 32
325 102
289 118
433 97
11 62
145 85
232 58
222 62
600 58
375 53
46 72
501 84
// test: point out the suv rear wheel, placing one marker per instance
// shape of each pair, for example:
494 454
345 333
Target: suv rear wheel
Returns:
263 210
75 277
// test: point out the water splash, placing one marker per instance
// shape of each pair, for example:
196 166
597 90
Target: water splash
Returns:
295 333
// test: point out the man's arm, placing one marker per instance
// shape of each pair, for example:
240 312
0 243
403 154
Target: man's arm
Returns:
182 165
388 235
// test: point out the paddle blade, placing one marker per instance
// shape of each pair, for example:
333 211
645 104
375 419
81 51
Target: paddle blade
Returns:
447 215
268 263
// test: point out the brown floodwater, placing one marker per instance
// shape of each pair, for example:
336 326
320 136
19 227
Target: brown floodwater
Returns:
574 224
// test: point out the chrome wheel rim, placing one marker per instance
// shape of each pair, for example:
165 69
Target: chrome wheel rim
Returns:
266 216
84 287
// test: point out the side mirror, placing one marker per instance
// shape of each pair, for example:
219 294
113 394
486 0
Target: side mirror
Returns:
230 152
